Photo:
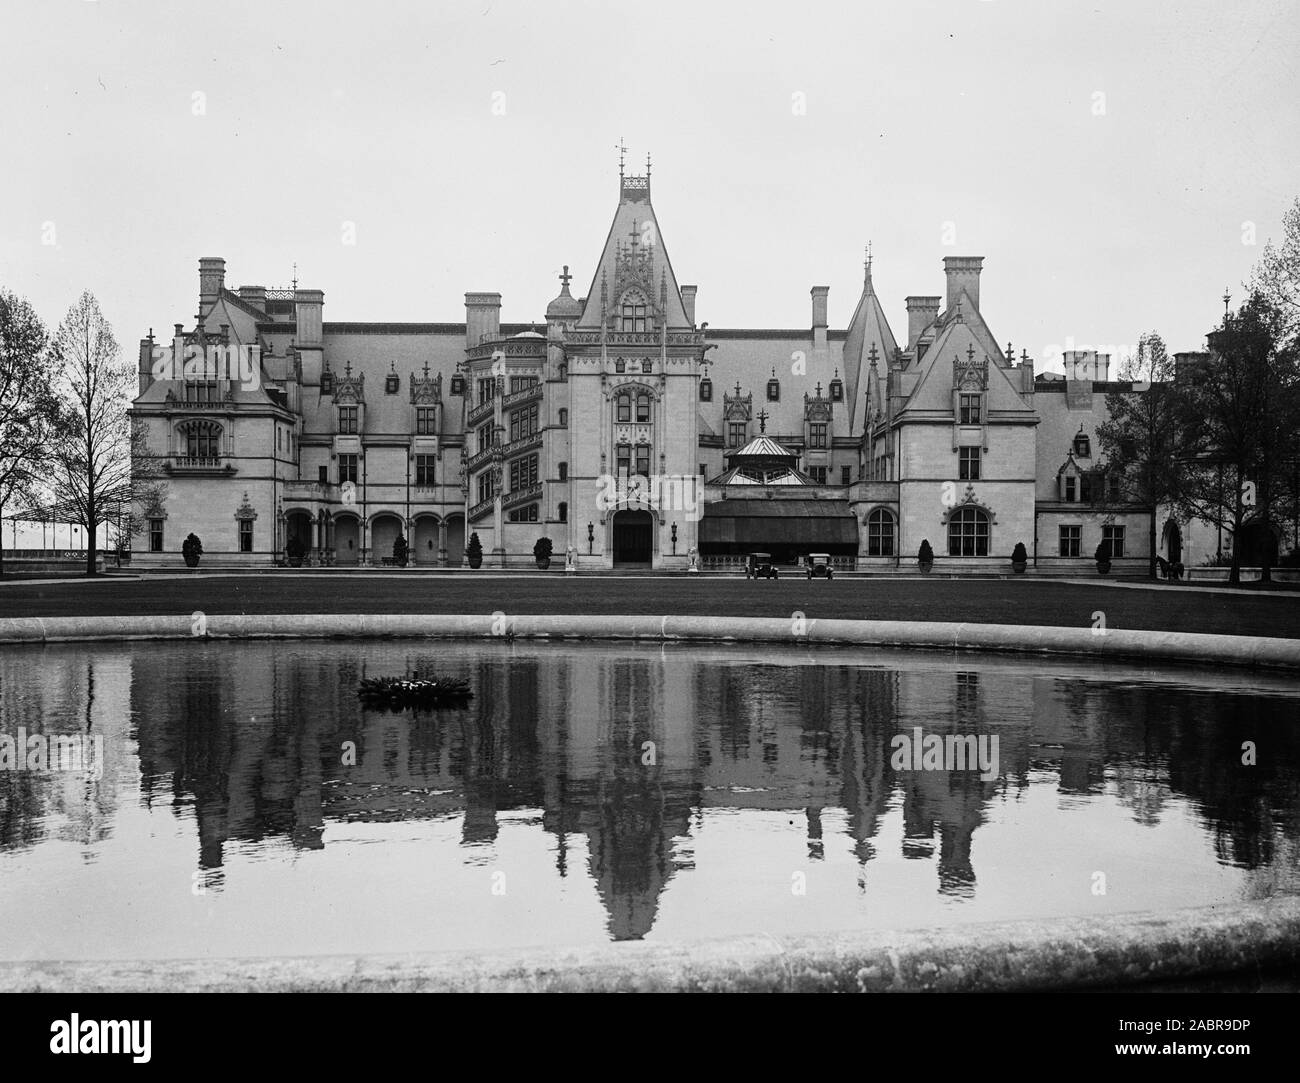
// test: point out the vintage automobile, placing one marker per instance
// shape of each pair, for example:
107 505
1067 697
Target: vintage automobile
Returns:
818 566
760 566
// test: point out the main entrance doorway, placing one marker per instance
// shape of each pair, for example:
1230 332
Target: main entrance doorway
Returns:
632 537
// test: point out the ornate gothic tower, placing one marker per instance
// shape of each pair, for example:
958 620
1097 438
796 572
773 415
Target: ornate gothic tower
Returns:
633 363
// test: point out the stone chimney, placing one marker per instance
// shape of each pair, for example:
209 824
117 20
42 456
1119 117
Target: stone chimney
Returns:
819 294
688 303
963 274
254 295
308 314
212 280
921 312
482 317
1086 365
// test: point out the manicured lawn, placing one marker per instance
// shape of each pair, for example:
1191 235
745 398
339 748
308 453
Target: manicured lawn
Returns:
1010 601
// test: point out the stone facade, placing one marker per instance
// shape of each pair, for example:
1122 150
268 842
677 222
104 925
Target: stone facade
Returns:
271 423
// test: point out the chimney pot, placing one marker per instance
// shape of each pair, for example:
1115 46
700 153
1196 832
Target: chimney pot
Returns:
688 303
963 274
819 294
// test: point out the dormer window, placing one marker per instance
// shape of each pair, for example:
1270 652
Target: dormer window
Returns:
634 318
971 409
1082 446
426 423
392 382
837 390
774 390
1070 490
458 384
327 382
706 390
348 420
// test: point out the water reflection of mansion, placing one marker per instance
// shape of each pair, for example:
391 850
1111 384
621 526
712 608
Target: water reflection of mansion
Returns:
566 733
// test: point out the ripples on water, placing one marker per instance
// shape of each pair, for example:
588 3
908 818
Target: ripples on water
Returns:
248 805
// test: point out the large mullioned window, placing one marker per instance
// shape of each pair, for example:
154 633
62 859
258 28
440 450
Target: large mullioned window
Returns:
968 533
880 533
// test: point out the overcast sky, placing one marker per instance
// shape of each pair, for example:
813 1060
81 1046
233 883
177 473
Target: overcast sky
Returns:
1107 159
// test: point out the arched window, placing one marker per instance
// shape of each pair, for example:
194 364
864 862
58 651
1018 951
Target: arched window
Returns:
968 533
564 418
203 440
880 533
643 406
623 407
706 390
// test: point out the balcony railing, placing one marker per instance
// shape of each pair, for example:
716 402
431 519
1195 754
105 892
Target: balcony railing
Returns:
524 443
307 490
481 510
480 412
518 398
198 464
522 496
479 458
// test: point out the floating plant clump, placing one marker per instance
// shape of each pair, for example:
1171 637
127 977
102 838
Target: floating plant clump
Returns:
415 691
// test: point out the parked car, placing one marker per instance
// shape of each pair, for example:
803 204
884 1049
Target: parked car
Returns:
818 566
760 566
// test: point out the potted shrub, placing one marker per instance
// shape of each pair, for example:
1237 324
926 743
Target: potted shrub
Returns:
1019 559
400 550
542 553
925 557
191 550
1103 557
295 551
474 551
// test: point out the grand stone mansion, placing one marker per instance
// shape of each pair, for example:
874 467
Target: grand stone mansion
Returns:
625 430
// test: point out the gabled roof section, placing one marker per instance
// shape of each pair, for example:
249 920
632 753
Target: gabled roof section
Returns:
634 258
964 311
868 328
962 343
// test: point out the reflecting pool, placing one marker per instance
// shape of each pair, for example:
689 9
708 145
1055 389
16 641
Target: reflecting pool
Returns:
236 799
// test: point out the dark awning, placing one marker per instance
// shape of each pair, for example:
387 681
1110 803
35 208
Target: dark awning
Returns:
763 523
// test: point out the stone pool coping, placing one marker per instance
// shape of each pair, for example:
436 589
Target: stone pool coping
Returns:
1070 953
1089 642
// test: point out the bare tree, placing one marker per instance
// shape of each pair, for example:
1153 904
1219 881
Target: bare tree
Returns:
92 461
1277 274
28 410
1243 420
1143 435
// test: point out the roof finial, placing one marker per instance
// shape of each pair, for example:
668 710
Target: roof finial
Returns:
647 165
622 150
1227 298
295 274
867 265
762 421
565 278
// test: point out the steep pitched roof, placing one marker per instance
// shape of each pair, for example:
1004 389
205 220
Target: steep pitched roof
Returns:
868 328
957 341
634 257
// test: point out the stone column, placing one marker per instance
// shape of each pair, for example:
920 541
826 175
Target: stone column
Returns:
442 543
